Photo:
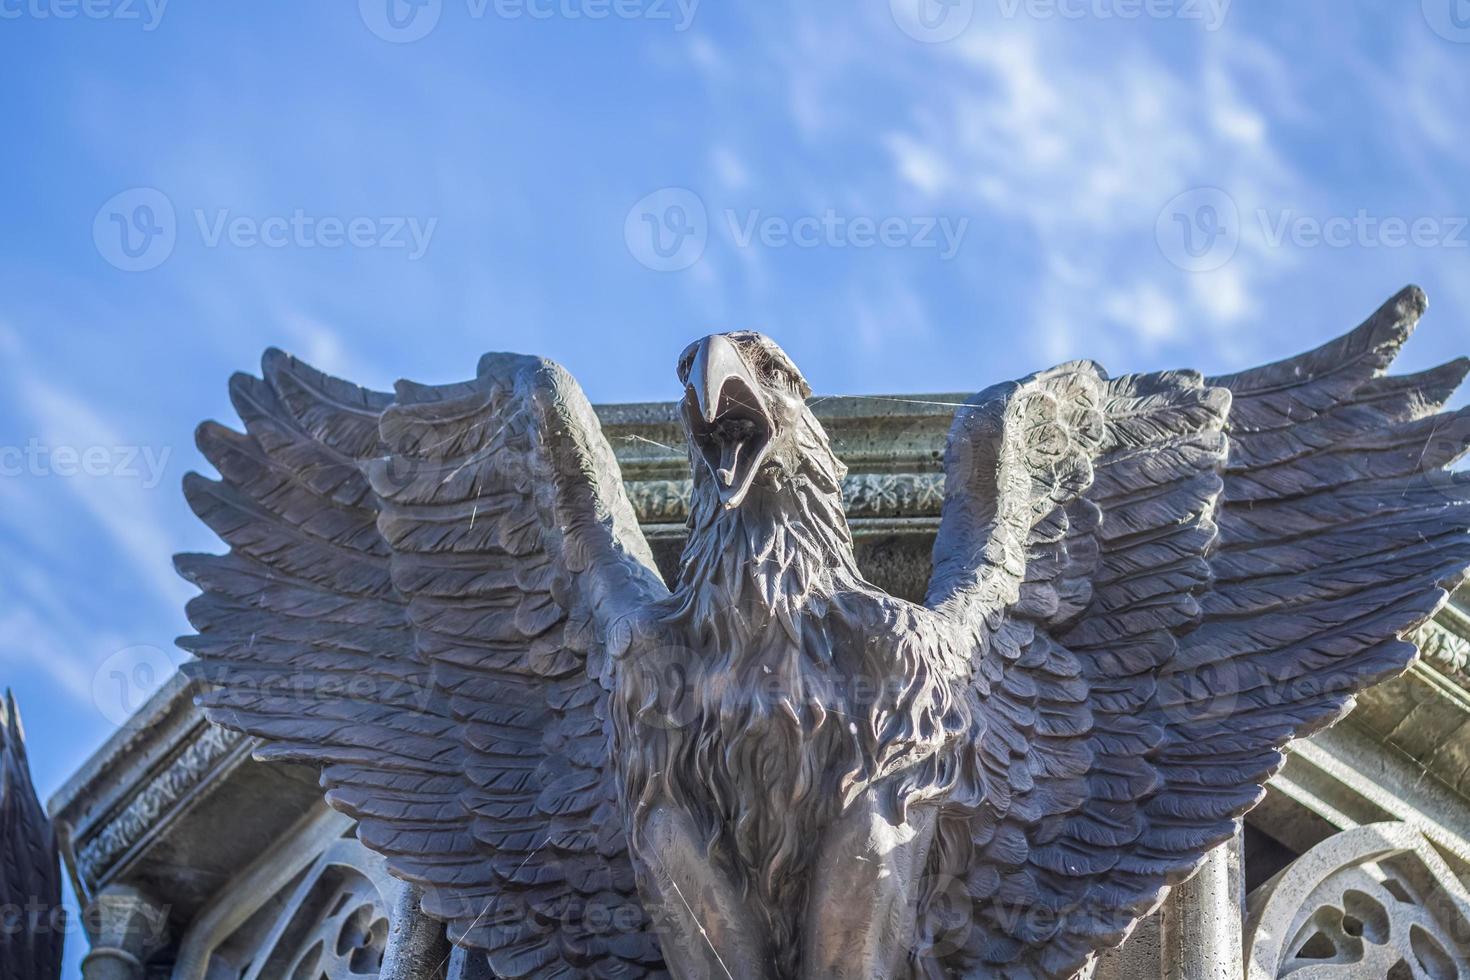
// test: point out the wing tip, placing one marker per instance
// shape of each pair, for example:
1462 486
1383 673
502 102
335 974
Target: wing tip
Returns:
1455 371
189 565
1414 298
491 362
1393 322
277 365
209 434
196 484
12 736
274 359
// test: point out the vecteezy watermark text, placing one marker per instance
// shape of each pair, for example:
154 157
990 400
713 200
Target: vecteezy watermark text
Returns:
668 230
1362 230
405 21
1201 229
937 21
833 230
1211 14
302 230
137 230
143 463
149 13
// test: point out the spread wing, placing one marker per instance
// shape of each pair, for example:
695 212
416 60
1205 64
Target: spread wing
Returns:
1166 579
30 876
415 599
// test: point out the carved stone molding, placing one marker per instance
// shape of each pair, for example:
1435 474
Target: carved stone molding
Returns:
1445 642
660 501
865 495
192 766
1374 901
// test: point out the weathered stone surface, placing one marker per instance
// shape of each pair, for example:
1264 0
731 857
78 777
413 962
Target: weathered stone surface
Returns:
1001 600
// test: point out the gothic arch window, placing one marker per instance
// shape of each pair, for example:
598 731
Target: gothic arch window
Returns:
316 908
1373 901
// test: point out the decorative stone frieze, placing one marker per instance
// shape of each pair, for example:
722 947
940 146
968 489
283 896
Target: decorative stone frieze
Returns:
1445 642
195 761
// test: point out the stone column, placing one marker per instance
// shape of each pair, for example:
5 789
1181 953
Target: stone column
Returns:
417 946
1197 933
1200 929
125 927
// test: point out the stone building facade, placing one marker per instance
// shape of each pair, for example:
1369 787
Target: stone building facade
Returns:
198 863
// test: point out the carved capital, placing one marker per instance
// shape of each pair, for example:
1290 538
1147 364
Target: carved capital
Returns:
126 926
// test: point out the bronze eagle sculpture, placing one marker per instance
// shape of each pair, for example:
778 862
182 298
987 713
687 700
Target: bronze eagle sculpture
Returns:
31 927
1144 587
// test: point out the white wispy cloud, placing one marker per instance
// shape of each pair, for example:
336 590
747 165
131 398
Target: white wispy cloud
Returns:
1079 146
123 500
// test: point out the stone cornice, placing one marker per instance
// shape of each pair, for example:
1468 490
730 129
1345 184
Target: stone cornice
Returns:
201 754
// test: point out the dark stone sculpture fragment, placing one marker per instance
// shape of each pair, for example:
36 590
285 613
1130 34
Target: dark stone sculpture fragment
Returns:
31 928
1144 588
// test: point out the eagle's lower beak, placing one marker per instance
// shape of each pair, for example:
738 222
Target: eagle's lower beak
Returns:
727 417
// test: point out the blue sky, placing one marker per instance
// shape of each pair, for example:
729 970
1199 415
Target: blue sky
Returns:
922 195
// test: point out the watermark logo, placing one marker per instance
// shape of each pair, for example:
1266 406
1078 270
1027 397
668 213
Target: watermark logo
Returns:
932 21
1209 13
401 21
136 230
149 13
405 21
667 230
1450 19
125 681
1199 230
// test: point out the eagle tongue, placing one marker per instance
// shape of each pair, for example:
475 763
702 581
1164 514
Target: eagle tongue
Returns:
729 458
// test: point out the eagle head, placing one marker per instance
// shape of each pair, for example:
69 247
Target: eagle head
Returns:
745 411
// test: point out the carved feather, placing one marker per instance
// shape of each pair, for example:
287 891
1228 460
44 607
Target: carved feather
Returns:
406 604
1144 587
1266 540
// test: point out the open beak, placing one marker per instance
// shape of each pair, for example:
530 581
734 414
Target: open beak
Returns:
727 417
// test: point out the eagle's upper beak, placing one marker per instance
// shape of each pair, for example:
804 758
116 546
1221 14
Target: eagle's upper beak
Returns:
727 417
